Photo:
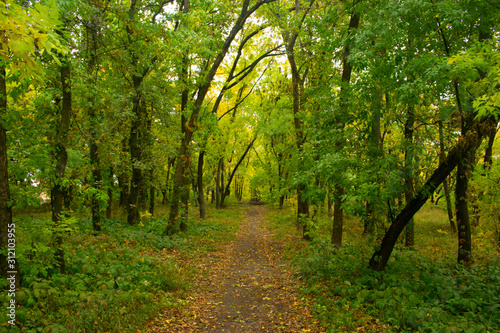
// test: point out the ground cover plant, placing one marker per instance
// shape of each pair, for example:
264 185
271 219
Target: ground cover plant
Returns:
115 281
423 288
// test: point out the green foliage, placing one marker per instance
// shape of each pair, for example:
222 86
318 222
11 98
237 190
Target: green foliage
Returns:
414 294
115 281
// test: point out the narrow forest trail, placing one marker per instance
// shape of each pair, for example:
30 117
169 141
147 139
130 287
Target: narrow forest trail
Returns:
248 288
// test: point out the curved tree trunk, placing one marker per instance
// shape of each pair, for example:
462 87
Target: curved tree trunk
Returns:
467 142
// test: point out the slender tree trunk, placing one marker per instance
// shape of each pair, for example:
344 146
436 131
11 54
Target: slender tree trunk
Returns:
488 153
61 158
446 188
409 190
201 197
464 169
290 40
135 160
225 193
96 175
218 184
123 178
152 197
166 192
8 263
338 214
109 208
375 153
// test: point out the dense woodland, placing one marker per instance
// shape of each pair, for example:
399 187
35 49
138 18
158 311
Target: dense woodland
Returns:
144 113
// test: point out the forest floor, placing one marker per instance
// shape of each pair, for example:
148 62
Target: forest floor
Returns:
246 287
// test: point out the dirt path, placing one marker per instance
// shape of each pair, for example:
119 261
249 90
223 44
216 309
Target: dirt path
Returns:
248 288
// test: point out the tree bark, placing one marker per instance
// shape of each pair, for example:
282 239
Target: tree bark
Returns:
409 190
470 141
123 178
446 188
338 214
96 175
218 185
135 159
201 196
465 166
9 267
61 158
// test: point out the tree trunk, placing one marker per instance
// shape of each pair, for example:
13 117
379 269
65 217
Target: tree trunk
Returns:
470 141
446 188
61 158
201 197
338 214
409 190
96 176
166 192
109 208
8 263
135 159
290 40
225 193
95 167
218 184
152 199
464 169
123 179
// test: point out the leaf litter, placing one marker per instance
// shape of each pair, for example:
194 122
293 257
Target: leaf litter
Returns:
247 287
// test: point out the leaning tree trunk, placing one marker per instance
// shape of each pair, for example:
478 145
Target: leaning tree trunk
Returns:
8 264
467 142
225 193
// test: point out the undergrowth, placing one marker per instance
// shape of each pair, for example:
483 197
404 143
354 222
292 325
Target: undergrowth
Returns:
420 290
115 281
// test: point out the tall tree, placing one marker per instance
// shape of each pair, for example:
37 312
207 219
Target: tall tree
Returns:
204 83
338 212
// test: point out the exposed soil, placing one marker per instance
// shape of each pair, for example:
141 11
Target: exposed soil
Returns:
248 288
